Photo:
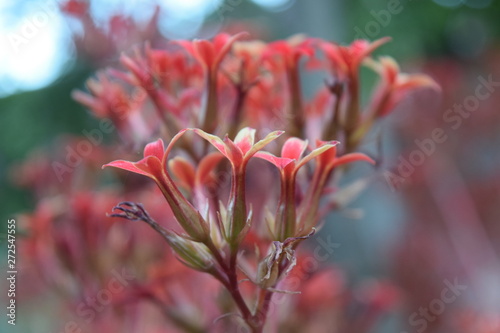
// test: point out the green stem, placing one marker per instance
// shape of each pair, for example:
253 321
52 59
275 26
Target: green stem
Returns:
297 111
331 132
209 115
352 113
237 205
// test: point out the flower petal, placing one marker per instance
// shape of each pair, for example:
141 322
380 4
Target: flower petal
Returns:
127 165
279 162
245 139
293 148
233 152
183 170
352 157
223 43
316 152
412 81
329 156
171 144
205 52
213 140
363 48
152 165
262 143
155 148
206 166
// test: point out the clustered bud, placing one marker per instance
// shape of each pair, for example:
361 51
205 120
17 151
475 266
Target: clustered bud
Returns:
225 91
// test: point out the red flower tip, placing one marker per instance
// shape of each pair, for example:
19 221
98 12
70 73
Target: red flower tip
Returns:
155 149
153 163
279 162
211 53
330 160
291 154
242 148
293 148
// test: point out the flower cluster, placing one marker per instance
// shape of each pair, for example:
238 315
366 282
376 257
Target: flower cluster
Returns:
208 98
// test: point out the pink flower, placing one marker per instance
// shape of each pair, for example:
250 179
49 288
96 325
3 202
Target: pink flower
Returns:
289 54
290 50
210 54
344 61
394 85
153 165
291 159
107 98
238 152
289 163
327 162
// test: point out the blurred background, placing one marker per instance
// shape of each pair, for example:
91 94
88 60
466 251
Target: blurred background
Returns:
419 224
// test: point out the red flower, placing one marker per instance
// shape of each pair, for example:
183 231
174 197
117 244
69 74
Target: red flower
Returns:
327 161
153 165
238 152
210 54
289 163
344 61
394 85
75 8
290 52
109 99
291 159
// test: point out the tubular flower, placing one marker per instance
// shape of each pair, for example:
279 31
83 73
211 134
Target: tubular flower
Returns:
394 85
225 85
238 152
290 52
392 88
210 56
199 181
344 63
327 162
153 165
289 163
108 99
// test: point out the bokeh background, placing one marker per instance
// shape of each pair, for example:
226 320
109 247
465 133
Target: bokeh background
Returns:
441 222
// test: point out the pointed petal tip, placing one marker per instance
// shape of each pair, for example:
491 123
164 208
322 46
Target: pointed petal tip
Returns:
332 143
